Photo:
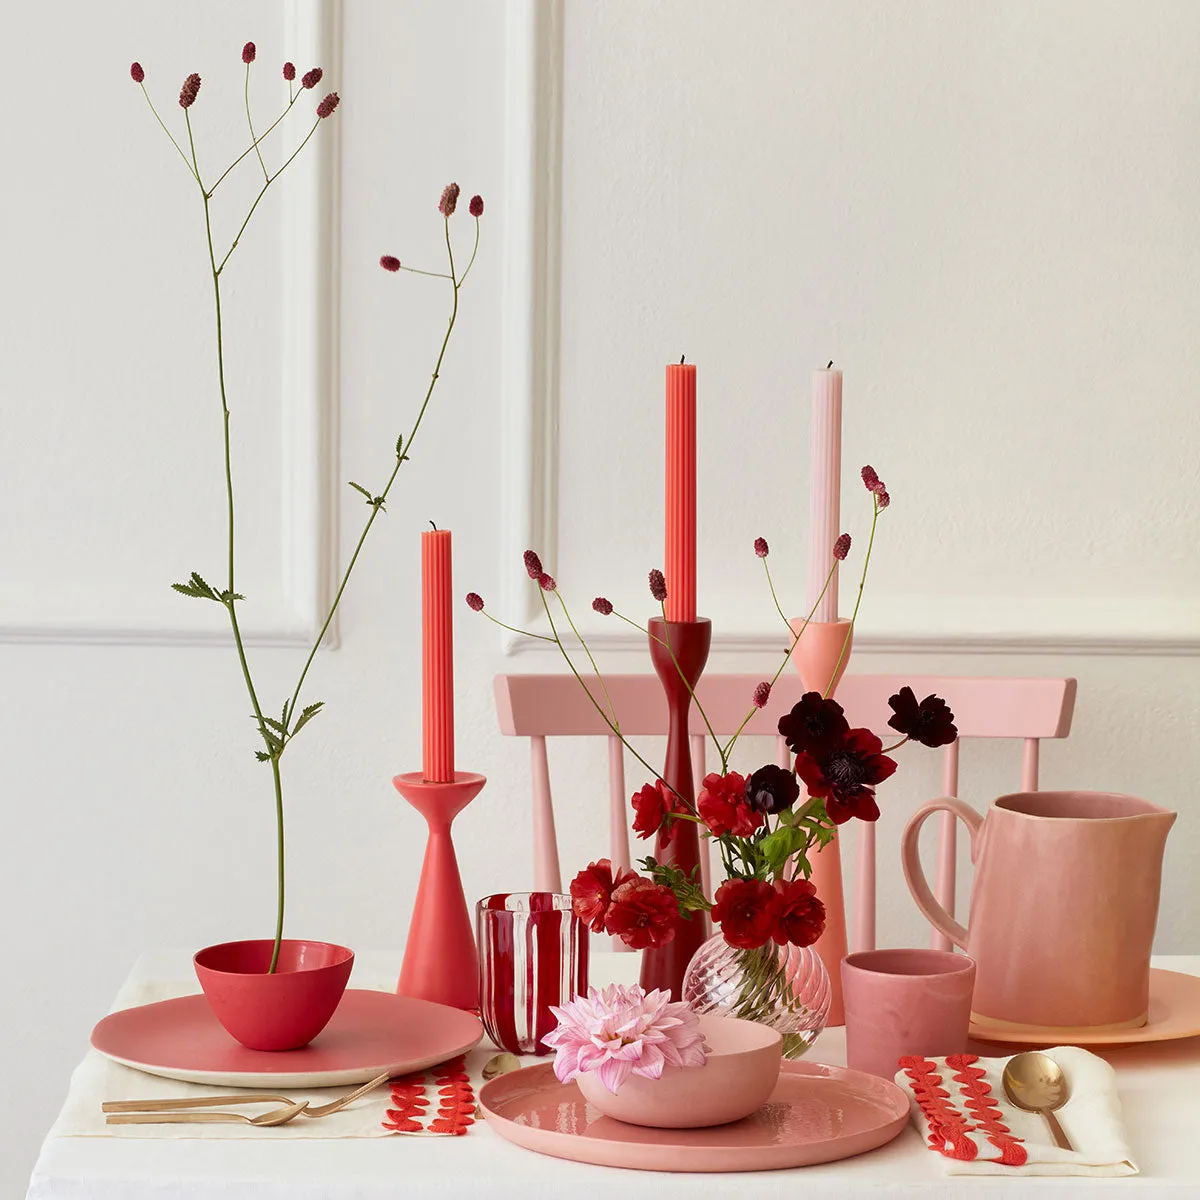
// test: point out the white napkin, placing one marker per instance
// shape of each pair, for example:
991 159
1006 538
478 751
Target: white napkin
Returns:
959 1105
98 1079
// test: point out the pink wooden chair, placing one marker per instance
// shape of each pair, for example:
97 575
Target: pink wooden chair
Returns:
542 706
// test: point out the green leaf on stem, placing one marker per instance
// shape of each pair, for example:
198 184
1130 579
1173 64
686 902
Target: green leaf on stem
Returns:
198 588
278 726
400 447
306 714
358 487
262 756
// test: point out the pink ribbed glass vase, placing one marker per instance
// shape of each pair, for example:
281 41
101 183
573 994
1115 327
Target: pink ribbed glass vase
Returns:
784 987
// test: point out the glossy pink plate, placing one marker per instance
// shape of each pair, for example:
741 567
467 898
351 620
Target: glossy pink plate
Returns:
1174 1013
371 1032
815 1114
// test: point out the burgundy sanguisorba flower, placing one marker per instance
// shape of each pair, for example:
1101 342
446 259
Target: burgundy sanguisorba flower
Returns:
844 773
136 73
449 201
800 917
841 547
189 91
475 602
592 889
658 585
310 79
930 722
547 582
389 262
249 52
603 606
813 721
746 911
762 694
533 564
476 206
642 913
326 107
761 548
289 71
772 789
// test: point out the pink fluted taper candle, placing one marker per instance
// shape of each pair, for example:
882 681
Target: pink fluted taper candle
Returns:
824 490
680 564
437 658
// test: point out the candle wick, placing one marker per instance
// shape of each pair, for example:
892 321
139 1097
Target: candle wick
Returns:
681 357
830 365
435 528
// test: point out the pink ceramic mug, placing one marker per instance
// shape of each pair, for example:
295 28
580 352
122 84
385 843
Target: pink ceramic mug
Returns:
902 1002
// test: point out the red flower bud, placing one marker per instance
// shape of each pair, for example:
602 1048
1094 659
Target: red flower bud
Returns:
761 548
602 606
475 602
189 91
533 564
449 201
841 547
310 79
546 582
248 53
762 694
870 478
658 585
136 73
389 262
882 499
289 71
477 206
327 105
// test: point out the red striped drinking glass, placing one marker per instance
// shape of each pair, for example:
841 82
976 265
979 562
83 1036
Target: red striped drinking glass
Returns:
533 952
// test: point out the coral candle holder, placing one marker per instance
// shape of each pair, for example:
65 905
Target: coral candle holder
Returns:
439 958
817 656
685 643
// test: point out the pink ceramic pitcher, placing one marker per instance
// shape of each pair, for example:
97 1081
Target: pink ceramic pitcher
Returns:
1063 905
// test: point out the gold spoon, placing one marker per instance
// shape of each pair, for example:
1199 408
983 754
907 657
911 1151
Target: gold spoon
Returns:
278 1116
1036 1083
500 1064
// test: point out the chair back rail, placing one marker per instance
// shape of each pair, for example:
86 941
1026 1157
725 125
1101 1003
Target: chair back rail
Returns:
543 706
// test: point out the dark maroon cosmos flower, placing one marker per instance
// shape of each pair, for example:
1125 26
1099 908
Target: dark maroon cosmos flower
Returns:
289 71
658 585
189 91
931 722
389 262
771 789
476 206
602 606
136 73
248 53
845 774
546 582
813 722
761 548
449 201
533 564
841 547
310 79
762 694
475 602
326 107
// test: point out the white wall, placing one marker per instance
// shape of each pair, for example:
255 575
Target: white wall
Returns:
984 213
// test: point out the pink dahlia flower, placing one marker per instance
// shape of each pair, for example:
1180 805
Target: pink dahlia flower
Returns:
623 1031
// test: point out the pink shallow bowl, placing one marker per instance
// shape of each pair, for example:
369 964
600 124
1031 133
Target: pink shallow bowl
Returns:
279 1011
370 1033
815 1114
741 1072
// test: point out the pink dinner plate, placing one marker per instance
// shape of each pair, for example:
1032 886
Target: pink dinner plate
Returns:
370 1033
815 1114
1174 1013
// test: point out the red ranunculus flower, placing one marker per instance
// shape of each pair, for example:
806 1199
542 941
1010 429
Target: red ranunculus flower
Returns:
746 910
722 806
813 722
931 722
642 913
800 918
845 774
592 889
653 805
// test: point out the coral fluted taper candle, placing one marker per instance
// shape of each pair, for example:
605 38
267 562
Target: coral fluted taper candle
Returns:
824 490
680 565
437 657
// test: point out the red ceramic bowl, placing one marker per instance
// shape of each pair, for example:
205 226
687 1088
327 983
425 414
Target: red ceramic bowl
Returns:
280 1011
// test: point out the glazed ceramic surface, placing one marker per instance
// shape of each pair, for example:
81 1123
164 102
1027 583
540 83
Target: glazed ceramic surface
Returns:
1174 1014
902 1002
279 1010
370 1033
815 1114
1063 905
741 1072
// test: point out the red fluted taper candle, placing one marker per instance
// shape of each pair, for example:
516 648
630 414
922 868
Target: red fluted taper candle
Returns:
437 657
680 564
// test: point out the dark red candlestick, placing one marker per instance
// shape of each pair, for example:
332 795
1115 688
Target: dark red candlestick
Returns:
684 643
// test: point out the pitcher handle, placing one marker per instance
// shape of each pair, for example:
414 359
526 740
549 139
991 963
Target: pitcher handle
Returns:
914 873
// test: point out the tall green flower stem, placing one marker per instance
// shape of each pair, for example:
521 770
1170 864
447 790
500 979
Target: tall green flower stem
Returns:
278 733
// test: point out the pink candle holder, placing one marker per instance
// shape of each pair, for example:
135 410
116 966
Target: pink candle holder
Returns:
820 660
685 643
439 957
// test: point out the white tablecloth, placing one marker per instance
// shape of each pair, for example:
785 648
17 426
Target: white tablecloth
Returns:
1159 1084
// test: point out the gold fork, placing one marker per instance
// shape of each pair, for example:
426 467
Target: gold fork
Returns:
169 1106
278 1116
